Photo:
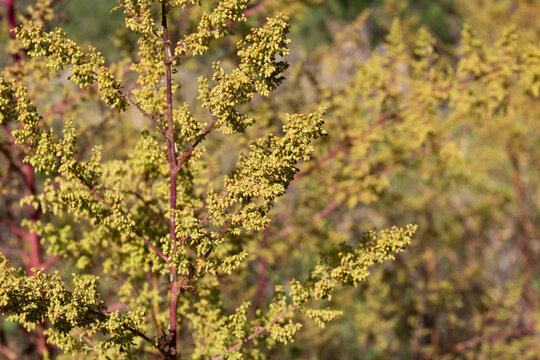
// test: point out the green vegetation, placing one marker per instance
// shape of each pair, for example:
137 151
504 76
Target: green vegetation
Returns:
228 179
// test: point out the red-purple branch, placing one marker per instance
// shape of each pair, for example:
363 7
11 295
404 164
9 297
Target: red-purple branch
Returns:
477 341
173 173
523 238
10 12
32 239
102 200
257 331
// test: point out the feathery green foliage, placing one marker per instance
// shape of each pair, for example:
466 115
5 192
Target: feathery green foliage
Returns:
153 222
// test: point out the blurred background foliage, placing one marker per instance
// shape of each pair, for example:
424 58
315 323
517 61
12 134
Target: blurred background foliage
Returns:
92 22
461 162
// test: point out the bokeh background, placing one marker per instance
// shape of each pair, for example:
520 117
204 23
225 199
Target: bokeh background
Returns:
433 119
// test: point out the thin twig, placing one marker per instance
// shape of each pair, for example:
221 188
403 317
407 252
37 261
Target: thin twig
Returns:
145 114
257 331
184 157
64 103
111 208
474 342
136 17
522 219
10 354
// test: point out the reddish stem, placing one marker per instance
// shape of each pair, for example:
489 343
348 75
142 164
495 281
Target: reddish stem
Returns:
10 10
173 172
111 208
257 331
474 342
523 239
30 189
9 354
